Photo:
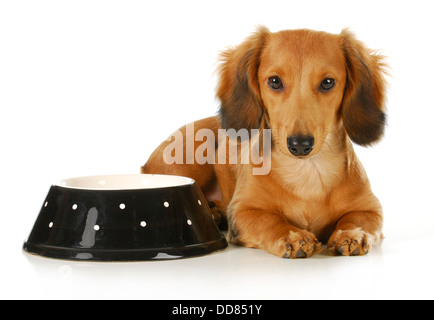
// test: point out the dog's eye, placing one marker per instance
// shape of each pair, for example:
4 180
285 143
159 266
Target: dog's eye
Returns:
327 84
275 83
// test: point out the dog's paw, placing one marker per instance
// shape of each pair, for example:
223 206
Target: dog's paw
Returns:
219 216
299 244
354 242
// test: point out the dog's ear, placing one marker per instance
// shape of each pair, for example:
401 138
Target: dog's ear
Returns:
238 88
362 107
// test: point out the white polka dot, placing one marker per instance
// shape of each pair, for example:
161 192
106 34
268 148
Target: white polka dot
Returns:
50 225
96 227
166 204
102 182
46 204
143 224
200 202
74 206
189 222
122 206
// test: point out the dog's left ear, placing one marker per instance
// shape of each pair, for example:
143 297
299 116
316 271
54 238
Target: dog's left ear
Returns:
363 107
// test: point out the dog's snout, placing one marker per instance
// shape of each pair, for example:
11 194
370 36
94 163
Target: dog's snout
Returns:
300 145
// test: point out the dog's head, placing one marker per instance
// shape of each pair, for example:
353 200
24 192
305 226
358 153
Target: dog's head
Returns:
303 85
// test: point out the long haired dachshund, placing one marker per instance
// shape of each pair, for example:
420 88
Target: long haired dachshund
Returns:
316 92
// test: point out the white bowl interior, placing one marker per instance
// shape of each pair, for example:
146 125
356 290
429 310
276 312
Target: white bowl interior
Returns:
125 182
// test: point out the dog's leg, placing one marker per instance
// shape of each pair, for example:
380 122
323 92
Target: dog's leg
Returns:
270 231
356 233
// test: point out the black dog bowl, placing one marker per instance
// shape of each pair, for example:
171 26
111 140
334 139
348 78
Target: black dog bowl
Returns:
125 218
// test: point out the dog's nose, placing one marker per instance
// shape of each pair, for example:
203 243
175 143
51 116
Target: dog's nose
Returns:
300 145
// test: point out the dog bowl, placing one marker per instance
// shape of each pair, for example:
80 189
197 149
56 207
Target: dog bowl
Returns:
125 218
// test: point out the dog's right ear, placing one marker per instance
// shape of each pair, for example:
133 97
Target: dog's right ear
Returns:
238 88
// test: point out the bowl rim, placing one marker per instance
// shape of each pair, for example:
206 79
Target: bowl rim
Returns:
113 182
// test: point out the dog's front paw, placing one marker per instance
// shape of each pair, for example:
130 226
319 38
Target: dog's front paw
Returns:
354 242
299 244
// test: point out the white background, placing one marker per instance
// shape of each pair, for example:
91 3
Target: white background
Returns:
92 87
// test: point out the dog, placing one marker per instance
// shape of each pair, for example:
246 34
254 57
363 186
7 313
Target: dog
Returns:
317 93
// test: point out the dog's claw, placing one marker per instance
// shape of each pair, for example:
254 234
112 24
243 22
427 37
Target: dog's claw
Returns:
356 252
300 253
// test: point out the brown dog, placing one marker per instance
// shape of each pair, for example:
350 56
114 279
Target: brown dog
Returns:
316 91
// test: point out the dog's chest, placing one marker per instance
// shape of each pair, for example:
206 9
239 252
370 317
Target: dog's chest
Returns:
313 216
308 186
311 178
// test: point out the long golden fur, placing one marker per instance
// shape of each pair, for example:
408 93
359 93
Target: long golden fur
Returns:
301 84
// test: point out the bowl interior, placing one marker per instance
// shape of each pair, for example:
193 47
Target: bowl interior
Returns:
125 182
